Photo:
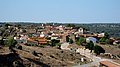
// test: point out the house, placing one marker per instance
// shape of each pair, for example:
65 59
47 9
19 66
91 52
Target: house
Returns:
108 64
57 37
42 40
80 30
101 35
20 41
94 40
68 28
32 42
42 34
61 27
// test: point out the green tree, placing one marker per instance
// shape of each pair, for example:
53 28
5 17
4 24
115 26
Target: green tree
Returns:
54 42
11 41
70 41
90 46
106 35
67 38
105 39
70 25
98 50
18 25
80 41
6 25
102 40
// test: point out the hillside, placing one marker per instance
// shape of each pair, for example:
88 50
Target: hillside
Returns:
47 57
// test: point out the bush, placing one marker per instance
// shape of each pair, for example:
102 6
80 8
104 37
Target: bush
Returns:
10 42
67 38
102 40
90 46
105 41
54 42
70 41
98 50
80 41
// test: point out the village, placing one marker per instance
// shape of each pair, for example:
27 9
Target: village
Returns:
60 45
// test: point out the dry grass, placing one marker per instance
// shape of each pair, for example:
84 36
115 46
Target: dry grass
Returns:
50 56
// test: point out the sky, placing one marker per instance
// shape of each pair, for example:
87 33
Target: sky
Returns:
60 11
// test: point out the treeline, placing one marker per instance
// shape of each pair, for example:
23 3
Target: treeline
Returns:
112 29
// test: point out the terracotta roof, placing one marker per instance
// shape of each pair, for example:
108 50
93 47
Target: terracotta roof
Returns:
109 64
41 37
43 42
58 35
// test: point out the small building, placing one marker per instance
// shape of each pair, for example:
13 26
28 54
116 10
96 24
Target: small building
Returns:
68 28
42 34
20 41
42 40
101 35
58 37
32 42
61 27
81 30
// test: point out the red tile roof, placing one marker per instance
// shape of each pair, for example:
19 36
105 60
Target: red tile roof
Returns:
109 64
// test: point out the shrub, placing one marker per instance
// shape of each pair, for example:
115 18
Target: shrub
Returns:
54 42
67 38
10 42
80 41
98 50
102 40
90 46
70 41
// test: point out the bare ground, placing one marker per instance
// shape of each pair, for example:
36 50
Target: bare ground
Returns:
46 57
113 50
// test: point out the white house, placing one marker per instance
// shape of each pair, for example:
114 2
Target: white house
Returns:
101 35
81 30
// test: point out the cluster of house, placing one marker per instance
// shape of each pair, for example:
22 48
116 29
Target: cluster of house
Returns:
43 35
48 32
